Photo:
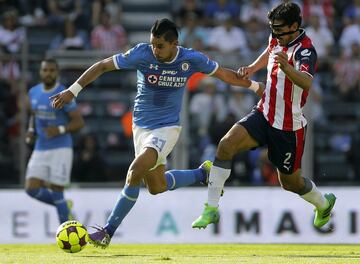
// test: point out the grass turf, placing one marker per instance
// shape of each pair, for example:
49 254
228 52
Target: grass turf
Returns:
189 254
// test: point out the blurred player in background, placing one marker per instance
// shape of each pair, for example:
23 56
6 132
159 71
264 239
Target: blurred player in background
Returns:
49 167
163 69
277 120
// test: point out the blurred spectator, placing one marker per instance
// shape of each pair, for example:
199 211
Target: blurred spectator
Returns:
230 43
347 74
89 165
113 7
206 104
11 40
216 11
314 109
321 37
61 10
33 12
108 37
70 39
350 34
268 173
256 36
323 8
205 107
254 9
241 101
193 35
188 8
352 10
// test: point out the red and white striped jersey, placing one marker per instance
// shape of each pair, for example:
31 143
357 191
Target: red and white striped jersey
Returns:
283 101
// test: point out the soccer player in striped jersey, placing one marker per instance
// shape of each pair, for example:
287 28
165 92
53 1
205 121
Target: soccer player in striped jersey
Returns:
163 69
277 121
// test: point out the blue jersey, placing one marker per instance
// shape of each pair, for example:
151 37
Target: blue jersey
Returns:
160 85
46 115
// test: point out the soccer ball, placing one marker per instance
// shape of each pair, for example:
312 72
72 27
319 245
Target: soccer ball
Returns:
71 236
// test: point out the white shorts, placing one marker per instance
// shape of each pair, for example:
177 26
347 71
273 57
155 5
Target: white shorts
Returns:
53 166
161 139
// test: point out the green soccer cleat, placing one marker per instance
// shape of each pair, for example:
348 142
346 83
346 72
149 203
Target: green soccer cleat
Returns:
210 215
322 216
70 204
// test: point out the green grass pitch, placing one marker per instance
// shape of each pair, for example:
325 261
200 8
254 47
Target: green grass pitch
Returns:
179 253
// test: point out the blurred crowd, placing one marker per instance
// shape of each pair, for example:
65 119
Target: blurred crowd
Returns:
231 32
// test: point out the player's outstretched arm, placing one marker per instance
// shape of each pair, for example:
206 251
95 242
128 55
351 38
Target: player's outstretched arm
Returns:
91 74
232 77
258 64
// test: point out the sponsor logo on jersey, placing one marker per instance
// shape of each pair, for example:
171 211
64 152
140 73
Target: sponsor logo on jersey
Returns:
164 72
153 66
166 81
152 78
304 67
305 52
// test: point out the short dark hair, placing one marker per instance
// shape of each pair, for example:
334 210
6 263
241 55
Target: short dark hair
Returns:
287 12
51 60
166 28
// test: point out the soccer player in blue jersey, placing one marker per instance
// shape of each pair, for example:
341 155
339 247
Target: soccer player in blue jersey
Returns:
163 69
49 167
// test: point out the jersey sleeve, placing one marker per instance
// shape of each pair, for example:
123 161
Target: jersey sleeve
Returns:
305 59
203 64
129 59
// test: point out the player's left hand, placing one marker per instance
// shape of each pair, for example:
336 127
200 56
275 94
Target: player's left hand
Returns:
61 99
282 58
52 131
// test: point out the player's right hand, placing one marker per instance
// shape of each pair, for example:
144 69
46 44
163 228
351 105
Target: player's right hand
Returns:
245 72
30 138
61 99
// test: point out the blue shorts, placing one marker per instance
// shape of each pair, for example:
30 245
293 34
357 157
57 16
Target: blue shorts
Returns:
285 148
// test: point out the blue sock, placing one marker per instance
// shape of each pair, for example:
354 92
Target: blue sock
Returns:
42 194
181 178
123 206
61 206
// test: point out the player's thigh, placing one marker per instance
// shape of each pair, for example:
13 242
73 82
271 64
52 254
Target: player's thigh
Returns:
161 139
248 133
142 164
60 163
239 138
37 171
235 140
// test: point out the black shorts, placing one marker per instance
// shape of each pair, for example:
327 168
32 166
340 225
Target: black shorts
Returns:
285 148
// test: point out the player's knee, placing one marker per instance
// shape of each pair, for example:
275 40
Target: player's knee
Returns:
226 149
156 189
133 177
32 192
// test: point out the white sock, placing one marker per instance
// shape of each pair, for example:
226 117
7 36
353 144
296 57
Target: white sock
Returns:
217 180
315 197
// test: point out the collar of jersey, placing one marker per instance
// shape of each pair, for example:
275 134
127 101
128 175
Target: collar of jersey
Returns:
298 38
174 59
